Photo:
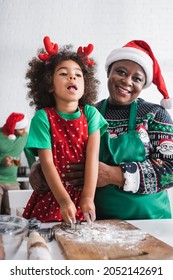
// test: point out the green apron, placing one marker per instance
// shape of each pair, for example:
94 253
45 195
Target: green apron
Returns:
110 201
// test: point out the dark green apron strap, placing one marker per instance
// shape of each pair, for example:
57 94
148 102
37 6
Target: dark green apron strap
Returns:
132 119
103 108
133 113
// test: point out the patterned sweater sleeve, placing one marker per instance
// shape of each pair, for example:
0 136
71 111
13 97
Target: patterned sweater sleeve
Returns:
156 172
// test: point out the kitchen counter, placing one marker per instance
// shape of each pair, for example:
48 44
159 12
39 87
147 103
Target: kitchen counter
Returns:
160 229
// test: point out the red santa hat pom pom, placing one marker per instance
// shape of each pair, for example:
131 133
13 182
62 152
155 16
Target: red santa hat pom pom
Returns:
140 52
14 121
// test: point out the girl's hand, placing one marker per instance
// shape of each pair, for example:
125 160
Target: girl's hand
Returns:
68 211
88 209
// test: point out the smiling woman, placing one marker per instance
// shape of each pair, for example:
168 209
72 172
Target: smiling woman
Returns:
135 152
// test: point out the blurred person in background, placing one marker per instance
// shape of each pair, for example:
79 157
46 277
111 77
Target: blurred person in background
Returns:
13 137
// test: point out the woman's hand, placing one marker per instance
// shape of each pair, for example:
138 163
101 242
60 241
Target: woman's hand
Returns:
110 175
106 175
37 179
75 176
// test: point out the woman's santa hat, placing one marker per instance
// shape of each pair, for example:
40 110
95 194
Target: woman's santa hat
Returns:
14 121
140 52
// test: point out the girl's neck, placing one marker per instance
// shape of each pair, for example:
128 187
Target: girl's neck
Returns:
67 108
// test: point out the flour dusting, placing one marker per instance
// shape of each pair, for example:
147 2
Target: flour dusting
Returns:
103 233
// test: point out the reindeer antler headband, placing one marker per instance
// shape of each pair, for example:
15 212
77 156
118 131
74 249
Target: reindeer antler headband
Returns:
52 49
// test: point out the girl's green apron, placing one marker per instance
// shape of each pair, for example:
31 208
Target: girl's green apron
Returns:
110 201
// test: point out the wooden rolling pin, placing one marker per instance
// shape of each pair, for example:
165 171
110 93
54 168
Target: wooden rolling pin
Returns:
37 248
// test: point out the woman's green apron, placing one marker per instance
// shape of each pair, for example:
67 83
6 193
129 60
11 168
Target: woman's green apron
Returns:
113 203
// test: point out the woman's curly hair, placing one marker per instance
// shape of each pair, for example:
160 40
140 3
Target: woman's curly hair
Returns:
40 76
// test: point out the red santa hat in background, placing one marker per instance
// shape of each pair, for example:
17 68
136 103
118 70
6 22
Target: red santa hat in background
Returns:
140 52
14 121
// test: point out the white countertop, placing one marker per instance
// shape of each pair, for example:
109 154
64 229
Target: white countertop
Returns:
160 229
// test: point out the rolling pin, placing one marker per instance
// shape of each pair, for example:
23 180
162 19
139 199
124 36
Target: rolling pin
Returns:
37 248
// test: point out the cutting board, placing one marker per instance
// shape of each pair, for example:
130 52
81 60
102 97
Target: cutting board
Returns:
110 240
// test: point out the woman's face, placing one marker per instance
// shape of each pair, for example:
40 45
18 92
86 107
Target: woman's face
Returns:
125 82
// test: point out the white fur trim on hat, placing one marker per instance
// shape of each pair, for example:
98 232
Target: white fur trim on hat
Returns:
135 55
21 124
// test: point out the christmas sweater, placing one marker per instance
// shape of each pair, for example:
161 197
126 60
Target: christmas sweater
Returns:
155 128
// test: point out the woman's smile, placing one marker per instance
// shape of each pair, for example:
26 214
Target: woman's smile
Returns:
122 91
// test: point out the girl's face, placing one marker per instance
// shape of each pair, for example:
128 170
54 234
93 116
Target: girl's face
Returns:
68 82
125 82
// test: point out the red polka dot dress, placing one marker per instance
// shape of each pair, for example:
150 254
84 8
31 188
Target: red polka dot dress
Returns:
69 138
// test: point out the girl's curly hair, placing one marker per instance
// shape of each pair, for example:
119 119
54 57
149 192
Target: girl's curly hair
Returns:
40 76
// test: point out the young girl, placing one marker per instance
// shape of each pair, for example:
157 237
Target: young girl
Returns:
64 130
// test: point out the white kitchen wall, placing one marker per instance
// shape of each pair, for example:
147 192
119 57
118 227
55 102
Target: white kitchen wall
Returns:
105 23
